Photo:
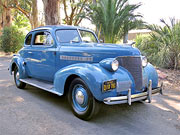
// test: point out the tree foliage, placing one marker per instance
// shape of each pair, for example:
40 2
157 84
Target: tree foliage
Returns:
113 18
11 39
21 21
26 7
149 49
5 14
73 10
163 45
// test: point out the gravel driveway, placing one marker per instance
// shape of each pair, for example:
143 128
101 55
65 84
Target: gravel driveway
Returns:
33 111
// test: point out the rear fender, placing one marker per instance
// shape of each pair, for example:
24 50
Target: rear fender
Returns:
18 61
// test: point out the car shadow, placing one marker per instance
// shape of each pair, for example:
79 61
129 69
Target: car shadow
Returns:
48 96
105 112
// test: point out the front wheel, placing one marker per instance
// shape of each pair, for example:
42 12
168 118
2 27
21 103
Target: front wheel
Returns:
82 102
18 83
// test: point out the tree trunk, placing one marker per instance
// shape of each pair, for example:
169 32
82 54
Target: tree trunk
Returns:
1 23
52 12
35 21
125 38
94 1
6 17
176 61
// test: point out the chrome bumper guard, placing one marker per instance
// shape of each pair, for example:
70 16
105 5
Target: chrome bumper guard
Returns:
135 97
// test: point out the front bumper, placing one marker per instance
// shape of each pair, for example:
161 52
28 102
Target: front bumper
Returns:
135 97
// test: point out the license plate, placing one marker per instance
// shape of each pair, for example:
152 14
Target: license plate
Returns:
109 85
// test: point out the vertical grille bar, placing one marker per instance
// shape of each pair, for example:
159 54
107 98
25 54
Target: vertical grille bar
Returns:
134 66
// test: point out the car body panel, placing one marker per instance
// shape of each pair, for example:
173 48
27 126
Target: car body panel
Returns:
19 62
98 74
56 63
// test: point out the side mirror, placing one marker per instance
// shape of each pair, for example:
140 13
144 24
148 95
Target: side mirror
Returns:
133 43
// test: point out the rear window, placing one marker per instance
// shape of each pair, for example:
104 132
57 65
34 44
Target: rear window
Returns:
67 36
28 40
43 38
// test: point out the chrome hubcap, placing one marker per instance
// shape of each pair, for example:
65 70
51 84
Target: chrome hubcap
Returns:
17 75
79 97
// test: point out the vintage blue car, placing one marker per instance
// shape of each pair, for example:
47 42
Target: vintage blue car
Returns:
69 60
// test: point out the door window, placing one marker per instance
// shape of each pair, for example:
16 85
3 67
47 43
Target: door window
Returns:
43 38
87 36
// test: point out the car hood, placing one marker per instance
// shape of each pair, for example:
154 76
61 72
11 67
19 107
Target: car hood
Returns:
112 50
100 51
117 49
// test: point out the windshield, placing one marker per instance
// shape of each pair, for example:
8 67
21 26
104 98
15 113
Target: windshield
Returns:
72 36
87 36
67 36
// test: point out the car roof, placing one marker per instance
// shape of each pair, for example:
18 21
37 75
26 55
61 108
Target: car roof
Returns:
55 27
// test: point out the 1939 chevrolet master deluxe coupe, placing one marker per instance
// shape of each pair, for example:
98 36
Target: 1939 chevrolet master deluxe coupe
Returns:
71 60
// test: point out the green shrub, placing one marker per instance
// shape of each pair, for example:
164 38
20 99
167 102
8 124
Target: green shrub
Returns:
156 52
147 47
167 38
11 39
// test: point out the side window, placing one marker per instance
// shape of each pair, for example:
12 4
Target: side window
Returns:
88 37
43 38
28 40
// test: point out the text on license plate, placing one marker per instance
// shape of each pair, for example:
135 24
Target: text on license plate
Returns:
108 85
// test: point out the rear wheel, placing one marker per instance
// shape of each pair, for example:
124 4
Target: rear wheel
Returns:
18 83
82 102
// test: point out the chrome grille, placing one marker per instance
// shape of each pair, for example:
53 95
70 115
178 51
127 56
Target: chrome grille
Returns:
134 66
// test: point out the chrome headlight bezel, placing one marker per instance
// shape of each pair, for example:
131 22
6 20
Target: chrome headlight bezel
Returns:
110 64
144 61
115 65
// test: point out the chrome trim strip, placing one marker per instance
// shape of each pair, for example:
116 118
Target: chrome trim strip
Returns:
161 91
130 56
43 88
129 96
76 58
149 92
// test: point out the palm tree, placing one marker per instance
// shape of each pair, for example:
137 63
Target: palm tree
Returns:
113 18
131 24
168 40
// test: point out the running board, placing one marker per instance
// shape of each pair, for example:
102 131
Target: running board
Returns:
44 85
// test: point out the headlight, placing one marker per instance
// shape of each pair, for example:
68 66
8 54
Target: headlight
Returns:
110 64
115 65
144 61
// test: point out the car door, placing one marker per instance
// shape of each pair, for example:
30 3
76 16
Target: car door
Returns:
41 62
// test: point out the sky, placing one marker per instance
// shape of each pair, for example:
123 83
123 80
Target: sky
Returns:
154 10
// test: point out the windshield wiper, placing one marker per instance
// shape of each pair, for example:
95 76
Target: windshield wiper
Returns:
87 41
73 41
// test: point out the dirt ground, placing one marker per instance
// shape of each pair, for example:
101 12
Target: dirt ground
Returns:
171 78
171 81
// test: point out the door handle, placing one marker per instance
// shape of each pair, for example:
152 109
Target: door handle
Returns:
30 52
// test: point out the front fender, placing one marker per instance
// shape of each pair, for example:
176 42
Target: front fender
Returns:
93 75
151 74
18 61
